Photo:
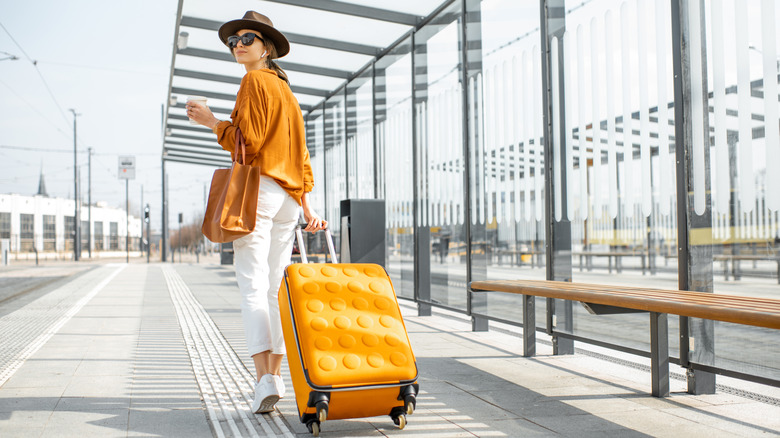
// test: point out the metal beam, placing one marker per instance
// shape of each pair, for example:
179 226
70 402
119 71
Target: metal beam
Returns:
355 10
214 109
198 153
190 137
193 145
286 65
196 156
206 76
190 161
201 129
296 38
211 94
326 43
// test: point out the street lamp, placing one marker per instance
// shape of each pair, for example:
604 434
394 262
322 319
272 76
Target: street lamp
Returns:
76 222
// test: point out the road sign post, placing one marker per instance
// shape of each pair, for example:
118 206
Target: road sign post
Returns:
127 172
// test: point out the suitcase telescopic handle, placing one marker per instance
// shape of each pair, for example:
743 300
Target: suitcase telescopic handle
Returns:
302 247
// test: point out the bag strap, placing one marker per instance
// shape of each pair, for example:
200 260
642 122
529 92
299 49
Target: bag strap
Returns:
240 142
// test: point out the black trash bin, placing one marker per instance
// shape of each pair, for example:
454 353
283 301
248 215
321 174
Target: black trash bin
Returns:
363 231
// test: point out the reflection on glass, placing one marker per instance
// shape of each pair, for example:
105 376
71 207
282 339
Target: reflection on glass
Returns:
742 78
620 172
335 162
360 136
440 161
506 150
395 167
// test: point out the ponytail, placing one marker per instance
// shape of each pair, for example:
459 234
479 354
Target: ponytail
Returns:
279 72
272 54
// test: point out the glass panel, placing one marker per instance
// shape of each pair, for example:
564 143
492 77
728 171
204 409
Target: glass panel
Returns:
507 151
742 78
335 162
395 165
620 175
440 161
360 136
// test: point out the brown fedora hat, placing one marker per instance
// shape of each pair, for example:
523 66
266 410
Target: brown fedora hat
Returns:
258 22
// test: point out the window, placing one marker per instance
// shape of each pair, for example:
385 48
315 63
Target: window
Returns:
113 238
27 233
49 232
98 236
5 225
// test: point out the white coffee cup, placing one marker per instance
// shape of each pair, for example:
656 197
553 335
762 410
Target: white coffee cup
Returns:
197 99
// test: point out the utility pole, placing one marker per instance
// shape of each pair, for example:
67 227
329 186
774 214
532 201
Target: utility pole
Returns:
147 219
89 201
127 219
76 221
141 206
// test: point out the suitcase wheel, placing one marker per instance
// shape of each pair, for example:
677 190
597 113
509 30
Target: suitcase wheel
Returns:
400 421
314 427
322 410
409 404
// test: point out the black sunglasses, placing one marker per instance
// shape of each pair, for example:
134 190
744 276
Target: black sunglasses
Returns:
246 39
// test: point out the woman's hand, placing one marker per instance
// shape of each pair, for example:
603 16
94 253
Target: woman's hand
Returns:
314 222
201 114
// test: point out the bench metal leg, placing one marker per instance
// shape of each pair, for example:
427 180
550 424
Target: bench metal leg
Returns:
529 326
659 354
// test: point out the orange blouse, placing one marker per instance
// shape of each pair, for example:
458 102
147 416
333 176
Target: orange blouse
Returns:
273 128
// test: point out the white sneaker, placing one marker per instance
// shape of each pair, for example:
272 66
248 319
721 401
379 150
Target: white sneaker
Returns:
280 389
266 395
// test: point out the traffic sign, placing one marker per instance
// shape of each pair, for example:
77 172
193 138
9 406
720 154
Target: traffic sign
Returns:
127 167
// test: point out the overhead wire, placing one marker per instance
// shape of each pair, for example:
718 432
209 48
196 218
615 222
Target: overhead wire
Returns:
35 64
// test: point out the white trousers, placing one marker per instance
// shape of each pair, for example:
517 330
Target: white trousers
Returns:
260 259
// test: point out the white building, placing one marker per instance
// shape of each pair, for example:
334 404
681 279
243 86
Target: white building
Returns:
43 224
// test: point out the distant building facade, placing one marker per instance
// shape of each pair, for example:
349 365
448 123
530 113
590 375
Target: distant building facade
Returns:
45 225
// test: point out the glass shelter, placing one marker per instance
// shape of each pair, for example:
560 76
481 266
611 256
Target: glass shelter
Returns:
609 142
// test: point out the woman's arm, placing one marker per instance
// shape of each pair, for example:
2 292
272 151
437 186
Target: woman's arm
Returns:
313 220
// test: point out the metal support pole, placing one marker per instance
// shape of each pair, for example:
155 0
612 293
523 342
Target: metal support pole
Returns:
529 326
659 354
557 233
127 220
422 268
694 270
89 201
163 218
148 236
76 224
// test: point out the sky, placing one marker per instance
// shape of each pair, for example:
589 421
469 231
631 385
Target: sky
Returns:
110 61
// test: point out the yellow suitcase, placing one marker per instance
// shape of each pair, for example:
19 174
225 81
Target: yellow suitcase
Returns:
347 346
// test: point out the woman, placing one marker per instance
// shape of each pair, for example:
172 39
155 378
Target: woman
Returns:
270 120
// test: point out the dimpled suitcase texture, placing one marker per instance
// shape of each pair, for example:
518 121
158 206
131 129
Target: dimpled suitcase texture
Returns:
347 346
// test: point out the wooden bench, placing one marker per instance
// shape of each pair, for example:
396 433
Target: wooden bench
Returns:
736 273
759 312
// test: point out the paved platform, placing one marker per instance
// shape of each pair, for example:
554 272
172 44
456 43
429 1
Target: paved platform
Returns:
158 350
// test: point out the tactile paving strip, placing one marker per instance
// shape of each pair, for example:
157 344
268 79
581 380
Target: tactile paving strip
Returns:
226 386
26 330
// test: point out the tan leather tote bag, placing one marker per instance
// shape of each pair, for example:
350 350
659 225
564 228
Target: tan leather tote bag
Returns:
231 211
